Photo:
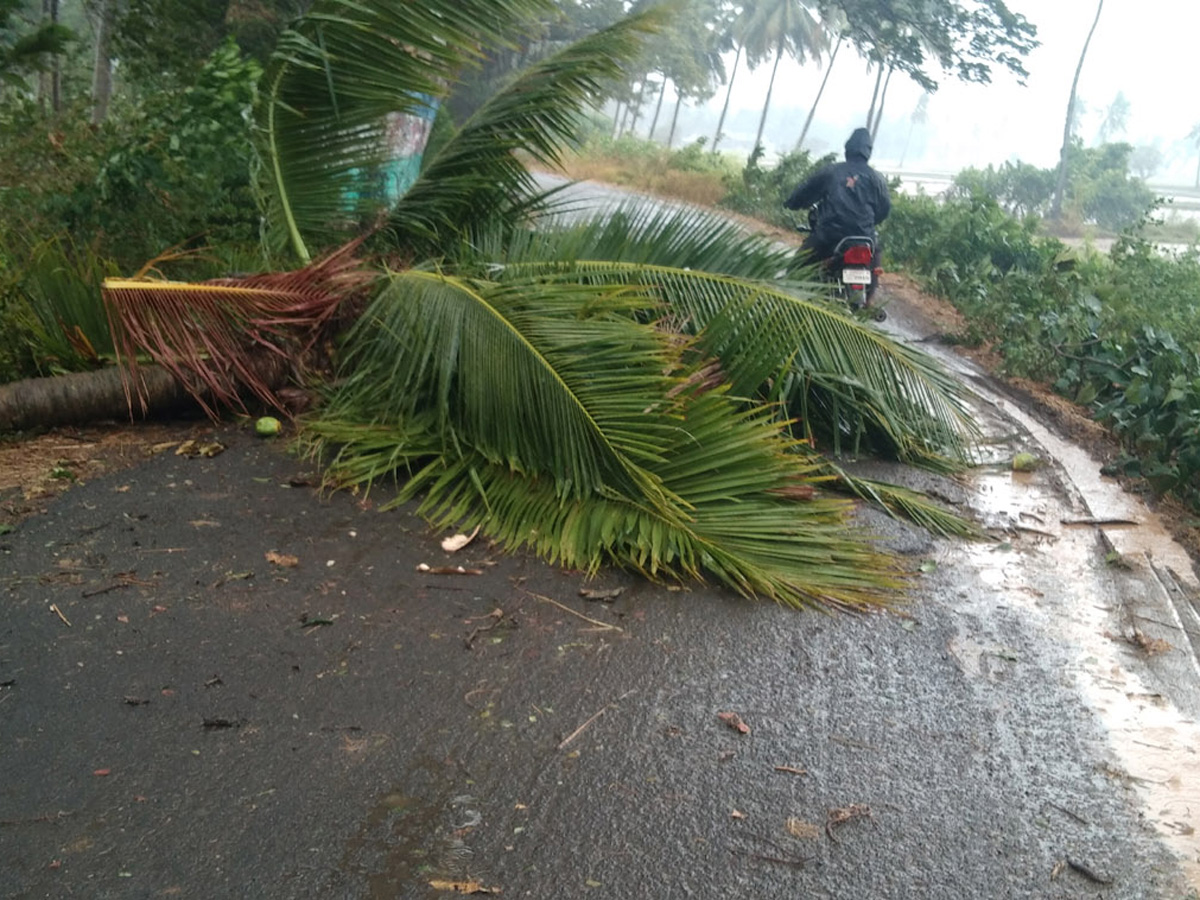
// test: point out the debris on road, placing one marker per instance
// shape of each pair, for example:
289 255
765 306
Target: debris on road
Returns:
603 625
838 816
462 887
447 570
607 596
734 721
798 828
456 542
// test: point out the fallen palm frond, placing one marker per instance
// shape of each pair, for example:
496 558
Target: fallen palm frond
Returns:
208 335
734 516
845 380
549 414
335 77
902 502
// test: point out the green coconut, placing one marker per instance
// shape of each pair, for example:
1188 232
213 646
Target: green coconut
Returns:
267 426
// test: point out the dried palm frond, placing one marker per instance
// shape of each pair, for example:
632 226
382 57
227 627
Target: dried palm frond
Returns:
213 336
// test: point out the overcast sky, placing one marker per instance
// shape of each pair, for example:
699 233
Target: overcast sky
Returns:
1144 48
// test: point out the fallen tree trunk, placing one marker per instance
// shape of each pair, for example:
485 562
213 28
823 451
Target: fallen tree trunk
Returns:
83 397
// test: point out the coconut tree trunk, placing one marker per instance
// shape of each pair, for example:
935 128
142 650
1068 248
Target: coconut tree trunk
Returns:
728 91
674 119
770 88
50 81
637 107
874 95
821 90
625 118
83 397
1061 185
102 65
882 100
662 92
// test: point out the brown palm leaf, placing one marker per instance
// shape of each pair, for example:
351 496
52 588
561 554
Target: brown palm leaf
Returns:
223 338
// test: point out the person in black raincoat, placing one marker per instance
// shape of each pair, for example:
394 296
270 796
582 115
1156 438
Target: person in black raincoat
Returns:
850 198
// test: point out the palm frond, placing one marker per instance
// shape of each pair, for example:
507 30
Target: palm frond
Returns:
212 336
738 518
477 175
542 378
647 233
335 76
902 502
843 377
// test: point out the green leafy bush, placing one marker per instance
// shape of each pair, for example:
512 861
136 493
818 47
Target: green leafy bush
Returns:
1117 333
759 191
98 201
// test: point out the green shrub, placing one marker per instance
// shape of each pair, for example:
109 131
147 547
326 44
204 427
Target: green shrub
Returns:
760 191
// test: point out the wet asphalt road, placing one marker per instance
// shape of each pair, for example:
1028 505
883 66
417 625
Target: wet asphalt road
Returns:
213 725
190 735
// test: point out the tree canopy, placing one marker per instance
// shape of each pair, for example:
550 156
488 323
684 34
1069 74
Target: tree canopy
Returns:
967 39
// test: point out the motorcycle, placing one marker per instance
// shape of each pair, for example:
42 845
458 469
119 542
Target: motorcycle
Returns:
851 268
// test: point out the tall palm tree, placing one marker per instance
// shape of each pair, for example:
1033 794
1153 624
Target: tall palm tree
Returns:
1116 119
812 111
778 28
1061 181
731 36
634 389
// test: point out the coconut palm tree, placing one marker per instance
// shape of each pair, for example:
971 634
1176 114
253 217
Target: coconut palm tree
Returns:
776 28
634 388
1068 127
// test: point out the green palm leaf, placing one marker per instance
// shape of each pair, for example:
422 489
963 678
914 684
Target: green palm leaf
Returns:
738 519
477 178
645 233
540 377
844 378
335 76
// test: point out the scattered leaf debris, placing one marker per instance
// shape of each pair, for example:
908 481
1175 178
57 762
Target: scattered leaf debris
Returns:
456 542
1149 645
447 570
798 828
1087 872
194 448
462 887
606 596
734 721
838 816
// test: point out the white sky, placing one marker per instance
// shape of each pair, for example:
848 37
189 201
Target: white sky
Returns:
1147 49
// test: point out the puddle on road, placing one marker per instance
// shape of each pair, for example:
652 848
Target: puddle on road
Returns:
1056 574
415 833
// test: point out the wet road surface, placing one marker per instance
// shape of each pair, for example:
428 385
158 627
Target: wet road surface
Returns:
181 715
